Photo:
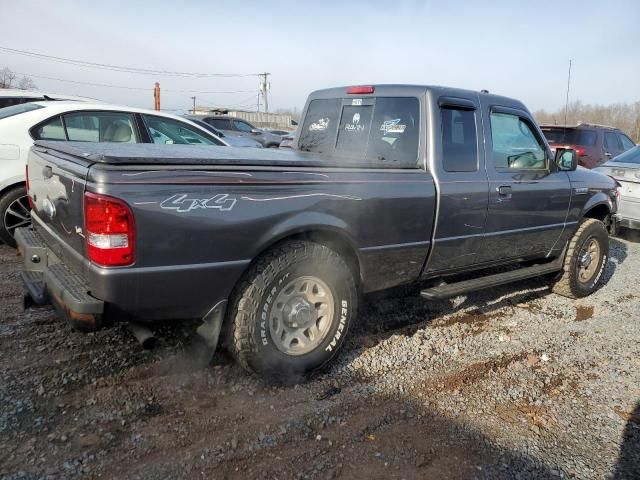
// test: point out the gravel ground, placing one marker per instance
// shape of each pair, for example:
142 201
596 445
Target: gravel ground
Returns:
515 382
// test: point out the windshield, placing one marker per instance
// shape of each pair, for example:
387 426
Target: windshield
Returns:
630 156
570 136
18 109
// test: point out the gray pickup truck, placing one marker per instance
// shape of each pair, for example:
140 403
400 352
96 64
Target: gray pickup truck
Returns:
386 185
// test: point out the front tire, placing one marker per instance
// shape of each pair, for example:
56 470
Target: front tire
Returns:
585 260
15 212
292 311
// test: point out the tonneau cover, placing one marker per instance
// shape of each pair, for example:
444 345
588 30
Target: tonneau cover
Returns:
156 154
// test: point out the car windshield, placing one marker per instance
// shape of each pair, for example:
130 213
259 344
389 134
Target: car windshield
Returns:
630 156
18 109
570 136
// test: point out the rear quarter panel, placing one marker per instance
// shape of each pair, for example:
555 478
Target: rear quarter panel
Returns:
220 220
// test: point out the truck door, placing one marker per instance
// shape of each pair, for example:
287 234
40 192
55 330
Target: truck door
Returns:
458 163
528 197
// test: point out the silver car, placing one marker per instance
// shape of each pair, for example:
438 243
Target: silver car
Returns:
625 168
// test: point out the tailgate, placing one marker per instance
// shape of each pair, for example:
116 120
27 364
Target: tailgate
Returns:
56 187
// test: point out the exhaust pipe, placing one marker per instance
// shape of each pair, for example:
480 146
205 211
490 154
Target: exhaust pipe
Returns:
145 337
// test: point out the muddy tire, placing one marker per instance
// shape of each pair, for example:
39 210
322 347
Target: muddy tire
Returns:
14 213
291 313
585 260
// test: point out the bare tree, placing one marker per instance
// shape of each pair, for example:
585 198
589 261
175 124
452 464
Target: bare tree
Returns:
7 77
625 116
26 83
8 80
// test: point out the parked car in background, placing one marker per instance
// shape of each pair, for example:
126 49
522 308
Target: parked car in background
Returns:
625 169
236 127
281 133
594 144
21 124
14 96
287 140
230 139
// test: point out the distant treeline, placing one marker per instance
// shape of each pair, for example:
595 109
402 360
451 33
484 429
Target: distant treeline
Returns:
625 116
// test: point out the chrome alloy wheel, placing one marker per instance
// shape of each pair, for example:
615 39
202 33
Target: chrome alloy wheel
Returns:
17 215
301 315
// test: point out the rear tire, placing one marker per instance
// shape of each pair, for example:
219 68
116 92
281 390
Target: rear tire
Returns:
292 311
585 260
14 212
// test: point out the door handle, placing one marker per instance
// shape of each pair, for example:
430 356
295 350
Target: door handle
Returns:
47 171
504 192
608 155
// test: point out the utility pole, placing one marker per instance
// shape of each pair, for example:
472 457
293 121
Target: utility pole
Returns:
265 86
566 103
194 105
156 97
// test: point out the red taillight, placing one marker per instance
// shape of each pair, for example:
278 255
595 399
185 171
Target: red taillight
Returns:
360 90
28 194
108 230
580 151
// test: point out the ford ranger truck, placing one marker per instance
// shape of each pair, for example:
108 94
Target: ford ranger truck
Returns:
386 185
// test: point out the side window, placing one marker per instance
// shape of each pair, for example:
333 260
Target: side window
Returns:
116 127
626 142
611 142
51 130
318 132
169 131
221 123
242 126
459 140
514 143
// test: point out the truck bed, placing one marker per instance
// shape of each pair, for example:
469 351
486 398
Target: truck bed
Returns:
193 155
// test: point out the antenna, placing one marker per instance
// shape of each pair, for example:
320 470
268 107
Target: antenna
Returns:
566 103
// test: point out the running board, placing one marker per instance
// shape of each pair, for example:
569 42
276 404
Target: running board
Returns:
448 290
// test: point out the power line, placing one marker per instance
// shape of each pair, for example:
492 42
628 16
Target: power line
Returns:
121 68
204 92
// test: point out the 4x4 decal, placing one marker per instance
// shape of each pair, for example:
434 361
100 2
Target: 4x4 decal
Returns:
182 203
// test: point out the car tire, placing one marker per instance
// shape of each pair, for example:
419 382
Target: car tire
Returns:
291 312
14 213
585 260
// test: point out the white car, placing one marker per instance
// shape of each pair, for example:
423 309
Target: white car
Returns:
21 124
16 96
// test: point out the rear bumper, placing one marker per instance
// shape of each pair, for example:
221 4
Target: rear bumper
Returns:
48 280
627 222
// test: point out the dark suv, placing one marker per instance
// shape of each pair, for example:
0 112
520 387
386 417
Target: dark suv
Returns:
594 144
237 127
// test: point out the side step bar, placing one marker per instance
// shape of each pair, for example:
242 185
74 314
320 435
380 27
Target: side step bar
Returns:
448 290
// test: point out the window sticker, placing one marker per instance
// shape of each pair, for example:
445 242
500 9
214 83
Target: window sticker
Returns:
320 125
392 126
355 125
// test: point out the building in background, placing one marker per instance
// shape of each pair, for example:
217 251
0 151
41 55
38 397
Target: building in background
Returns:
257 119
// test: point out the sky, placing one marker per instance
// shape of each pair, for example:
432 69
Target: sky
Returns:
512 48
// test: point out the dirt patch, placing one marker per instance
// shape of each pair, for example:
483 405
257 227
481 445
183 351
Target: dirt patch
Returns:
475 319
583 313
476 372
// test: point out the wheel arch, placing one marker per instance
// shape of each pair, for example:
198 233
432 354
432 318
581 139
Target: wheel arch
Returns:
598 207
319 228
10 185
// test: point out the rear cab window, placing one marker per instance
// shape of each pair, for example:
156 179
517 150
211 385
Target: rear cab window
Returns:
381 130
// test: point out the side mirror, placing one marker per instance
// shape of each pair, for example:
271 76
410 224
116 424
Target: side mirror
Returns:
256 131
566 159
